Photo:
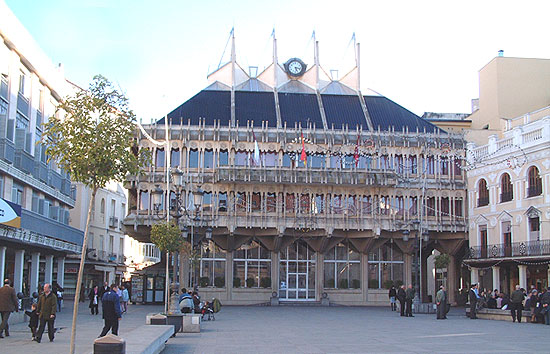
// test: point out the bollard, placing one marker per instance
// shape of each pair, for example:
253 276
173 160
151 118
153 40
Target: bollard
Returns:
110 344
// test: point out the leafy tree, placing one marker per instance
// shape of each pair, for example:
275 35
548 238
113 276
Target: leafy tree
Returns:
92 138
167 237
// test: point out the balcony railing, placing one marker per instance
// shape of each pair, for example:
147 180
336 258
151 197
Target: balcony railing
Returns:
535 190
482 201
515 249
506 196
4 88
23 104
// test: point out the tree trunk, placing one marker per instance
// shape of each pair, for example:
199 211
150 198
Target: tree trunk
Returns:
81 271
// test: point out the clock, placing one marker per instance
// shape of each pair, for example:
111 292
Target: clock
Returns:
295 67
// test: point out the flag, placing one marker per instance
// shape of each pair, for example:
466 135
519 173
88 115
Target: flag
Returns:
303 156
256 158
356 153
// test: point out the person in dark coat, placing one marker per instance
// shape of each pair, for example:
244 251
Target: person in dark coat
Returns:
8 304
33 319
441 302
196 302
516 304
111 311
47 305
545 303
94 297
402 297
392 294
473 296
409 300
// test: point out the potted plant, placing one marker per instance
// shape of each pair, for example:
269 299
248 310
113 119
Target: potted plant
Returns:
265 282
250 282
355 283
236 282
204 281
388 284
373 283
330 283
219 282
343 284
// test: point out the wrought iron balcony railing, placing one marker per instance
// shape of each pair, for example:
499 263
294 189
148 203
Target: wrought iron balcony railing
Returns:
515 249
482 201
535 190
506 196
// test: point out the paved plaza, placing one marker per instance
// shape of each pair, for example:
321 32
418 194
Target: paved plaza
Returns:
293 329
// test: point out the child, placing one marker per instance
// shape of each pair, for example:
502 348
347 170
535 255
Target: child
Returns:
33 320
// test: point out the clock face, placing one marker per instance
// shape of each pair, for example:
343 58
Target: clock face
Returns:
295 67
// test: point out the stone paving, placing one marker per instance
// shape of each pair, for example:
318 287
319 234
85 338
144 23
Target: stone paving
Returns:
356 330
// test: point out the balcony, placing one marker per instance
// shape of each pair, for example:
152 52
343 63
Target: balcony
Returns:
283 175
7 150
515 249
482 201
55 180
533 191
24 161
23 104
4 88
46 226
506 196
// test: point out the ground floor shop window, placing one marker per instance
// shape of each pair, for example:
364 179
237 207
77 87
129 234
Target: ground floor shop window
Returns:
252 266
342 268
212 265
385 267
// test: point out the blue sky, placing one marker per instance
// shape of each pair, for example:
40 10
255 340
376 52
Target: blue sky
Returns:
425 55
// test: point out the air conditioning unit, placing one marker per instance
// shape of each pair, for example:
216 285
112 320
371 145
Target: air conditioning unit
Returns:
113 221
92 254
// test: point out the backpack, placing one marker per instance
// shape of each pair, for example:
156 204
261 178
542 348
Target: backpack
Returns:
216 305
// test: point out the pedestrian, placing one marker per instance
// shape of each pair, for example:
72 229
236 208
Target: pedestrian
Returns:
516 304
8 304
392 294
533 304
185 301
111 311
33 319
473 296
409 297
125 298
402 297
94 300
441 302
47 304
545 302
58 290
196 302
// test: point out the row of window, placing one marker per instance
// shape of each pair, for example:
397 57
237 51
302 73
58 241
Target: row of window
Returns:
533 234
98 243
316 204
209 159
534 187
342 266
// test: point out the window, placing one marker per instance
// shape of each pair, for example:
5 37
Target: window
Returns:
90 240
507 238
121 246
223 158
256 202
458 167
252 266
413 205
317 206
398 206
289 203
385 205
304 204
111 243
271 159
342 267
144 200
318 161
413 164
240 201
271 202
445 207
430 165
458 207
193 158
100 244
483 240
207 201
222 202
535 182
444 166
335 161
506 188
22 83
102 208
430 206
385 162
159 158
399 167
208 161
17 192
367 204
385 267
241 158
175 158
483 193
113 207
287 160
1 186
212 265
534 228
336 204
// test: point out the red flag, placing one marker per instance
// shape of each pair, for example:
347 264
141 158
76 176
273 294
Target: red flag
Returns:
356 154
303 156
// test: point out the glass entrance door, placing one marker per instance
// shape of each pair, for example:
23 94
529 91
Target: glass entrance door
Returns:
297 273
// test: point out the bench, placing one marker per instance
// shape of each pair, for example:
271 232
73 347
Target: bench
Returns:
499 315
147 339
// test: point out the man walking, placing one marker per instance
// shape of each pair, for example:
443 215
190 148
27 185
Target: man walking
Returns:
402 297
473 301
111 311
409 297
47 305
8 304
517 304
441 302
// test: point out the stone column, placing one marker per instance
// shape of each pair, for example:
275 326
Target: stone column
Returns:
522 276
275 272
2 263
365 276
474 275
229 274
61 271
496 278
48 270
319 274
452 280
408 269
33 279
18 270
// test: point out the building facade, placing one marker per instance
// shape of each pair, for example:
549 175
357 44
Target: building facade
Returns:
105 260
310 189
33 190
509 205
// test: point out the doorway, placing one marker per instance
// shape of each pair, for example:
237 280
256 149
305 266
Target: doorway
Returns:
297 273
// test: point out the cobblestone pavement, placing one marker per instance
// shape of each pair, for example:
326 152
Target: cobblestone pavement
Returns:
356 330
88 328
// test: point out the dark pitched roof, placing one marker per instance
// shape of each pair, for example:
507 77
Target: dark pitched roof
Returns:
214 105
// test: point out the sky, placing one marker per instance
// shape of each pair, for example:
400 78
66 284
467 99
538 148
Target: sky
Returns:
424 55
